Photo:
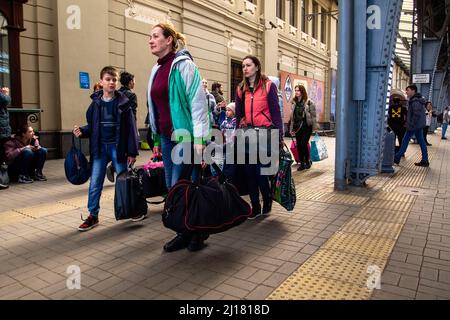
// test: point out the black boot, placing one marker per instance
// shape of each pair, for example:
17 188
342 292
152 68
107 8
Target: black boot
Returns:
267 206
197 242
301 167
181 241
256 210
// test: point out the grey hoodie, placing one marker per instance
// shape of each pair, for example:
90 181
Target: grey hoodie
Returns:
416 118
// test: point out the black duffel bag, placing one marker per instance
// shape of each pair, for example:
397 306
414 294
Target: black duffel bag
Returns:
153 182
212 205
129 202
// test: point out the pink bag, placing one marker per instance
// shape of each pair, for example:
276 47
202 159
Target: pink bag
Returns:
294 151
154 163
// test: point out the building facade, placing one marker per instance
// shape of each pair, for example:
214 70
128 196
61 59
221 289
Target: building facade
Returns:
65 43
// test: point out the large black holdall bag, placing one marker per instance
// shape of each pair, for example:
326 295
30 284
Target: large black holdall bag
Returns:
129 201
212 205
153 182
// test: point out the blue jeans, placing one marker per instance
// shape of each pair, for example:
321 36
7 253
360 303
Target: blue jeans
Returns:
172 170
109 153
444 129
28 162
419 136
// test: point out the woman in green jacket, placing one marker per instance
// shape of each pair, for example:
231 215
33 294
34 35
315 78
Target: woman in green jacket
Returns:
178 113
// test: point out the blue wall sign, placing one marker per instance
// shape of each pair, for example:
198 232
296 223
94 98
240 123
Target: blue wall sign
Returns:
84 80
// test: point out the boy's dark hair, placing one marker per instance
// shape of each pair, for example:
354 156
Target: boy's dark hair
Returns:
412 87
125 78
109 70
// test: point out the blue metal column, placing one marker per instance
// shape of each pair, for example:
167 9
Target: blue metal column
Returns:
367 37
343 92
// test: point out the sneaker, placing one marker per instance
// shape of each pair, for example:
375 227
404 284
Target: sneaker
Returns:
179 242
25 179
3 186
444 138
422 164
88 224
110 173
139 218
256 211
39 177
197 243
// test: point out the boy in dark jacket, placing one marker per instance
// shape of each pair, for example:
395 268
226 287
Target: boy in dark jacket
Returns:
111 130
415 122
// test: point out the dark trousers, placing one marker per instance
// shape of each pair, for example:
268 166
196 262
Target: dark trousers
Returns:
425 133
27 163
256 183
302 136
399 131
2 150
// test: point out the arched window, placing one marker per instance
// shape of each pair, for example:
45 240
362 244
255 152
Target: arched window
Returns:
5 80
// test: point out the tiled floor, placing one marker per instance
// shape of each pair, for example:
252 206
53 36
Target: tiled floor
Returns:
407 214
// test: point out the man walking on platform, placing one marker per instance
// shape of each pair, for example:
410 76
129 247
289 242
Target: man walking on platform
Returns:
415 122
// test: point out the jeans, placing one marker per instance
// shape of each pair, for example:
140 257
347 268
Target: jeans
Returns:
109 153
172 170
444 129
419 135
28 162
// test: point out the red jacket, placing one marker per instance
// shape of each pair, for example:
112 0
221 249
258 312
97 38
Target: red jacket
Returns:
257 112
14 147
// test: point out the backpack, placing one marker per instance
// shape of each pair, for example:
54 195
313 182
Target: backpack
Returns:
76 166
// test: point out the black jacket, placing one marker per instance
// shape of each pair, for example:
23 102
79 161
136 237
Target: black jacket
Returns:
416 118
132 97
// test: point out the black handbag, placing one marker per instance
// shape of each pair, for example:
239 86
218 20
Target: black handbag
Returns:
129 202
212 205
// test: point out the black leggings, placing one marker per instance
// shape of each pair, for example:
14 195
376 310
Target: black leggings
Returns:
302 136
256 183
399 131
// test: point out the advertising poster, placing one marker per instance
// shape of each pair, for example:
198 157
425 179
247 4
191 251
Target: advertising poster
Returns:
314 88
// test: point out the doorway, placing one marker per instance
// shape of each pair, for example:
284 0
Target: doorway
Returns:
236 78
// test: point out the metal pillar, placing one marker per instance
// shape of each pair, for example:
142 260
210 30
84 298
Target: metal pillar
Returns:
365 55
343 92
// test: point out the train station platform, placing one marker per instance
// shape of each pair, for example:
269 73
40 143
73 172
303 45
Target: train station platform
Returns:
388 240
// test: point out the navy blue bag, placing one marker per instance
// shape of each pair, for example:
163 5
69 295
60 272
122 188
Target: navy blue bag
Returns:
76 166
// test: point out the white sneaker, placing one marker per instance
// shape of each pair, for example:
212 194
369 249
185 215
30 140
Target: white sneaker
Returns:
140 218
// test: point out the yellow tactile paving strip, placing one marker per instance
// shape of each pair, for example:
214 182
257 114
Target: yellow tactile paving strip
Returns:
51 208
342 267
